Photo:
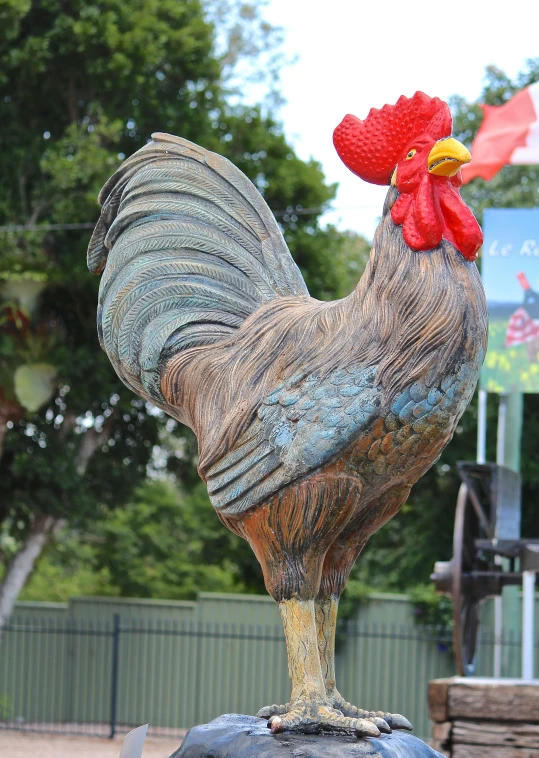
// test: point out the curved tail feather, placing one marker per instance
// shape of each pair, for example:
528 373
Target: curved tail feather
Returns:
188 250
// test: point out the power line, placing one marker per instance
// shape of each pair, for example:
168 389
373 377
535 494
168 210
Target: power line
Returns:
46 227
11 228
298 212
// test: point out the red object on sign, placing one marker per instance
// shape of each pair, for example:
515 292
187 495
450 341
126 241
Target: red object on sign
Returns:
521 328
523 279
524 323
509 134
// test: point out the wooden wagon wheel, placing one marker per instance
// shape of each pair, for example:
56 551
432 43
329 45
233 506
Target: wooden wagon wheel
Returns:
468 590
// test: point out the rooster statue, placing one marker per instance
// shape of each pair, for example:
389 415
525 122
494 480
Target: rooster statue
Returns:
314 419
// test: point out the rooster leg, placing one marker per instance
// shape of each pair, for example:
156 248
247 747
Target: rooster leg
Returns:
303 661
290 535
309 710
326 623
338 563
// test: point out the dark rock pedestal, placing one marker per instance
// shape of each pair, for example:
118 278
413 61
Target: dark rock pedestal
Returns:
237 736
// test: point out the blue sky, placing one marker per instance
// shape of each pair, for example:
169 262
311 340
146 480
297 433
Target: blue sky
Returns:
353 55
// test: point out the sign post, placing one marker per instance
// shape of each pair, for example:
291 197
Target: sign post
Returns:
528 603
510 271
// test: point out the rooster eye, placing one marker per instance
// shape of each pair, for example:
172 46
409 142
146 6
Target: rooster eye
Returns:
411 154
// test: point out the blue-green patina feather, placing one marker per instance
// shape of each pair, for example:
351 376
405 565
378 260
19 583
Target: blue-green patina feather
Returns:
188 249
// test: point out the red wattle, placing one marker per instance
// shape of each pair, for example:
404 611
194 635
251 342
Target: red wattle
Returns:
459 219
436 211
400 208
410 232
427 219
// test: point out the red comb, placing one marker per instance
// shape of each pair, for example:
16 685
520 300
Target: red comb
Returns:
373 147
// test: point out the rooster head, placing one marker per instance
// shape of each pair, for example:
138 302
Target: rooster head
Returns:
409 145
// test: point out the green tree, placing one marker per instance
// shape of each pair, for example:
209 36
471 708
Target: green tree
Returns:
82 85
403 553
512 187
295 190
169 544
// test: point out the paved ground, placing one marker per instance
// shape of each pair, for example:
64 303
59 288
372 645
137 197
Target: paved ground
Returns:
31 745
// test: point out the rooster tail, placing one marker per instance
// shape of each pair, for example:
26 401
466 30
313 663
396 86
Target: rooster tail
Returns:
188 250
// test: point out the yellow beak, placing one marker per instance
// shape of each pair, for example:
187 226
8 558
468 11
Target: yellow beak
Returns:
447 156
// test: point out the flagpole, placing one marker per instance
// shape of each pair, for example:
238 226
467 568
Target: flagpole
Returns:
498 605
482 427
507 454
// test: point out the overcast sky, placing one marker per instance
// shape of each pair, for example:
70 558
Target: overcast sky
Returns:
353 55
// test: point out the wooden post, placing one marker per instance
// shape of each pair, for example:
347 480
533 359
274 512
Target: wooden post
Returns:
485 718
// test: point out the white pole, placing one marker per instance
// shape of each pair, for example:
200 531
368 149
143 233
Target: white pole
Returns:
498 610
528 602
502 425
498 627
482 427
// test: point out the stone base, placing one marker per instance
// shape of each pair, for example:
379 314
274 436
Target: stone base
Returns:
237 736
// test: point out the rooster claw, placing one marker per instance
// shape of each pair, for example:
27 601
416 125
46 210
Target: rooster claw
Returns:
367 728
390 720
272 710
312 719
382 725
396 721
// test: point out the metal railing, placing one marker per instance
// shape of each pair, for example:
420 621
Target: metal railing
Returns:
102 677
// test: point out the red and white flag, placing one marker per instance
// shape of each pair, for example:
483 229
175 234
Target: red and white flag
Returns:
509 134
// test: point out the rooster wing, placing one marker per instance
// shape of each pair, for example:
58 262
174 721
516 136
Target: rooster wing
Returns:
301 425
306 423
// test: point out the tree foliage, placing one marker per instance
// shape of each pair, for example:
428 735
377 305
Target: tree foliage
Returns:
82 86
403 553
165 540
